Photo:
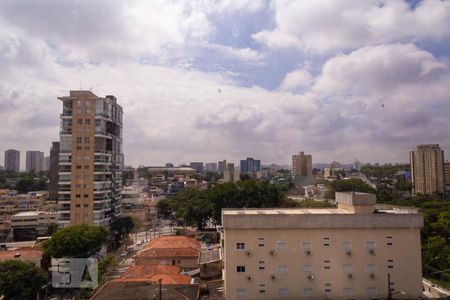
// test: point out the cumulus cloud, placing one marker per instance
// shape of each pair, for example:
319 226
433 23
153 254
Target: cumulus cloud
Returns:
295 80
323 26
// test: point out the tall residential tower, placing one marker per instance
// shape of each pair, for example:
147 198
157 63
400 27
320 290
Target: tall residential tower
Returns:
302 164
12 160
427 169
34 161
90 159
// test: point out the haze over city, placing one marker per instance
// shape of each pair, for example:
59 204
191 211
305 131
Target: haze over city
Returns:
212 80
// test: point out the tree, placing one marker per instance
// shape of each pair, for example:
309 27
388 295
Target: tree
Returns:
76 241
20 280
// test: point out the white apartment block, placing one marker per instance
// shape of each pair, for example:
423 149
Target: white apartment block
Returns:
343 253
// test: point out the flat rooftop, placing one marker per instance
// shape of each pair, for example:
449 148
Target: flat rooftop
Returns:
284 211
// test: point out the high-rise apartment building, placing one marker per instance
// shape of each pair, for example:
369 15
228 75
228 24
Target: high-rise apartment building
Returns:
349 252
427 169
222 166
90 159
302 164
447 176
34 161
53 172
211 167
198 166
46 163
12 160
250 165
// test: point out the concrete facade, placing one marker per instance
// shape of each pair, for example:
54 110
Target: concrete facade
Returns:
34 161
447 176
302 164
90 160
427 169
12 160
340 253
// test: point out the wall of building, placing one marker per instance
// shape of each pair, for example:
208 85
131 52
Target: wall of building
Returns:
183 262
328 259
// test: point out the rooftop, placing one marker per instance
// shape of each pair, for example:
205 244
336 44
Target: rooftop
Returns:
153 273
207 256
24 253
172 246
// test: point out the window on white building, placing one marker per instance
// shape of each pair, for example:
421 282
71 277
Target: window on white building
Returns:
240 269
240 246
282 292
261 242
281 245
326 241
240 293
307 268
306 245
372 292
262 288
347 292
261 265
307 292
371 268
282 269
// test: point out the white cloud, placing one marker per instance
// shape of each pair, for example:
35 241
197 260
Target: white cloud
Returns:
295 80
323 26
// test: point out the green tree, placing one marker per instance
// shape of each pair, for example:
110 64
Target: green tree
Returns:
20 280
76 241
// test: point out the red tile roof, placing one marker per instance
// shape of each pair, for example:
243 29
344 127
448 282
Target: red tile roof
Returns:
172 246
153 273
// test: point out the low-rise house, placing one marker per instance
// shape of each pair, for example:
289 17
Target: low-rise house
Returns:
210 262
143 282
31 224
180 251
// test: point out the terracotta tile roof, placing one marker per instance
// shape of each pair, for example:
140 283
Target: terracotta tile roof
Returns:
174 242
152 273
24 253
172 246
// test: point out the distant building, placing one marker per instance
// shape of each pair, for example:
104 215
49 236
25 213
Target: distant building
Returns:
427 169
335 165
447 176
180 251
302 164
90 159
347 252
12 160
31 224
222 166
211 167
46 163
250 166
357 165
197 166
34 161
53 175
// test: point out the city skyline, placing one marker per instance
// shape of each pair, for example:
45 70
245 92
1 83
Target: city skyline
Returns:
207 81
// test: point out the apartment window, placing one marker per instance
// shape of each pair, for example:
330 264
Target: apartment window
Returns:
281 245
240 246
261 265
347 292
389 241
372 292
346 245
78 196
307 292
85 205
97 123
282 269
240 269
326 241
77 205
370 245
390 263
79 140
327 264
306 245
240 293
346 268
86 140
79 121
261 242
262 288
307 268
87 121
371 268
79 147
283 292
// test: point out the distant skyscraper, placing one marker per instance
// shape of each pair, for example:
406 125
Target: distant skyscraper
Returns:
222 166
250 165
302 164
447 176
357 165
90 159
53 170
46 163
12 160
197 166
427 169
211 167
34 161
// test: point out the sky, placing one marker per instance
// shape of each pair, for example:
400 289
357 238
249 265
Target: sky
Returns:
210 80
